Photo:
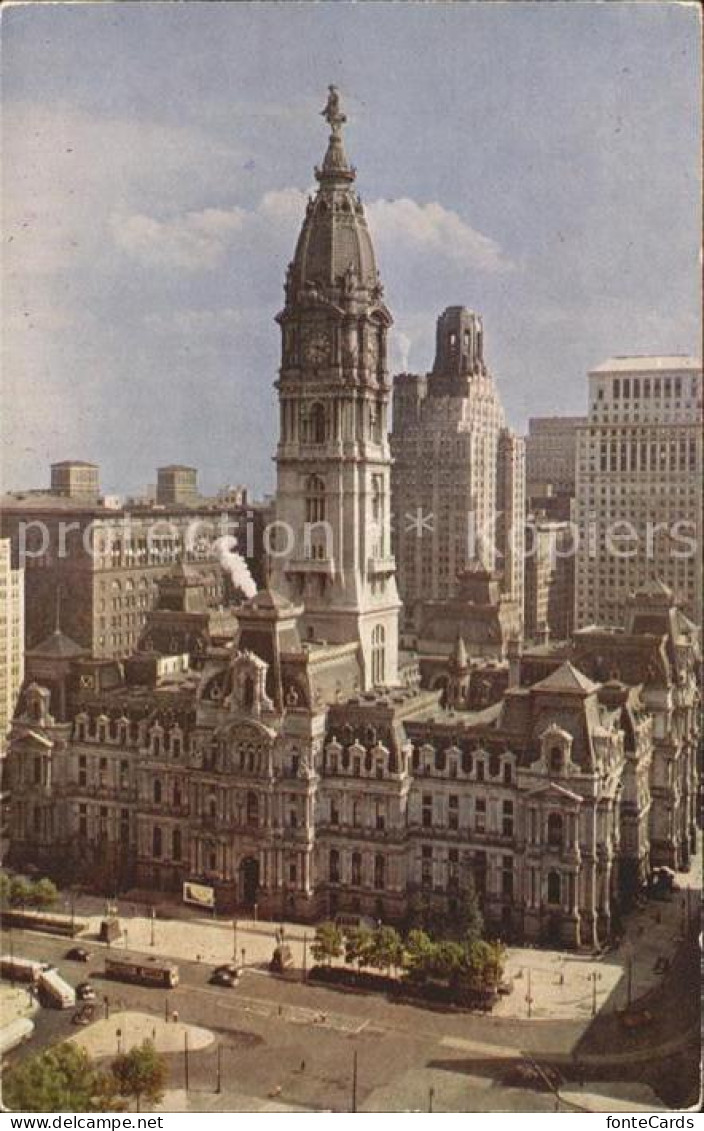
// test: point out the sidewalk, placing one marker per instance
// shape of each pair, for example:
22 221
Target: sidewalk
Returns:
563 985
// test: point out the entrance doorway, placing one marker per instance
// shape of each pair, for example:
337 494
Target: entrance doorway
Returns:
249 880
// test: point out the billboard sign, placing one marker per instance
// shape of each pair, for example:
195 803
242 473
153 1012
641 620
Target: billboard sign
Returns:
199 894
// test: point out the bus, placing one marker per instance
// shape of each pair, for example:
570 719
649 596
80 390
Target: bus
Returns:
142 973
54 990
21 969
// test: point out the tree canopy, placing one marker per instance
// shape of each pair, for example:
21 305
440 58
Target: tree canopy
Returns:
141 1073
63 1078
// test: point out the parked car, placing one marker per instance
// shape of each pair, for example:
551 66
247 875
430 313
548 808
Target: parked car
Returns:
224 976
78 954
85 991
84 1015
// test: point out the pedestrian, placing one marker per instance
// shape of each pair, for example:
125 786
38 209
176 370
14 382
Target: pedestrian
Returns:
303 1066
174 1017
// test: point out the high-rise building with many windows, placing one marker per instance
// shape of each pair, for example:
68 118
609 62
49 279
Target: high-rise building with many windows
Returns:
639 486
458 473
11 637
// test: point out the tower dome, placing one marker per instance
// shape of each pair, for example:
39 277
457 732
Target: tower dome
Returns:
334 254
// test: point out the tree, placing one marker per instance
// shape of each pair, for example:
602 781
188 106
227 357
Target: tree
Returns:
359 946
419 955
327 943
20 892
387 949
141 1072
63 1078
470 921
43 894
4 890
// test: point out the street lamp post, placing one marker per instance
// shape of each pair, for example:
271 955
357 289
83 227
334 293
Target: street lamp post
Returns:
244 954
218 1081
594 977
529 996
305 957
234 940
431 1096
354 1081
153 918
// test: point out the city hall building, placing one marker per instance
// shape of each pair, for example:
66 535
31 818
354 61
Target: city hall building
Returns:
299 764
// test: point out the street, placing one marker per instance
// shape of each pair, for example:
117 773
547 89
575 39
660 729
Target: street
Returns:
289 1046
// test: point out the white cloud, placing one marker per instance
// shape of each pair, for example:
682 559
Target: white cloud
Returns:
436 230
194 241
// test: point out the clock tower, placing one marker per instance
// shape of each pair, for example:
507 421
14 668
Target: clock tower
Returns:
332 552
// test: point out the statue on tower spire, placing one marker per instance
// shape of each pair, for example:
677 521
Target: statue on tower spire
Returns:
333 110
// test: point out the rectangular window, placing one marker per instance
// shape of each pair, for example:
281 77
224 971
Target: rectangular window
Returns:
480 815
507 818
427 816
454 812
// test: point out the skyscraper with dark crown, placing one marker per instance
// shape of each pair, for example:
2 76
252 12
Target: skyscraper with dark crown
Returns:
458 477
333 461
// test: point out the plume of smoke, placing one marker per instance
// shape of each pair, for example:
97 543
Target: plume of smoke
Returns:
234 563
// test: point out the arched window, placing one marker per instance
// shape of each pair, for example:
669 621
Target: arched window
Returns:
156 842
554 888
212 807
157 791
379 871
378 654
555 830
334 866
315 499
248 693
176 845
252 808
177 795
314 424
356 868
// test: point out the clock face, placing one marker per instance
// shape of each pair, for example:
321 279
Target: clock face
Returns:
316 347
87 681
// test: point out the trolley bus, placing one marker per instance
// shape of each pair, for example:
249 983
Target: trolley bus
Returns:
142 973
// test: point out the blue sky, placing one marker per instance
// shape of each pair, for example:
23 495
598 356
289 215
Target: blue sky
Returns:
536 162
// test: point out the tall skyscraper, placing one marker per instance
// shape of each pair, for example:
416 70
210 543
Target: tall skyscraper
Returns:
458 474
639 486
11 637
333 458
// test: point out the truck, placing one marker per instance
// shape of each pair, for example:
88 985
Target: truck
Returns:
17 969
164 975
15 1033
54 990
